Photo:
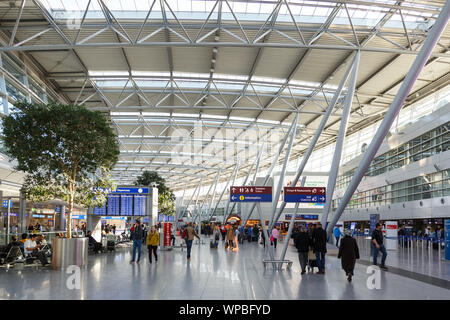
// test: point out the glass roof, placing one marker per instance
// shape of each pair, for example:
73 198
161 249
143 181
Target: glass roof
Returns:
256 10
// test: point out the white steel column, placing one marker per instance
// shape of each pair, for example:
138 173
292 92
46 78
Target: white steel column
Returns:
317 134
291 227
394 109
274 163
225 214
340 140
282 174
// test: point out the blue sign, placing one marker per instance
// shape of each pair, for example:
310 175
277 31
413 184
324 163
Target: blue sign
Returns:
304 198
115 218
5 204
302 217
374 218
250 194
79 216
57 209
447 239
251 198
131 190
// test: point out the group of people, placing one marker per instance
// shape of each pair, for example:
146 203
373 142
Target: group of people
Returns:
31 246
311 245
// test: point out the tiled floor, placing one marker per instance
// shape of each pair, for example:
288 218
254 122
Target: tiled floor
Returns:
212 274
417 259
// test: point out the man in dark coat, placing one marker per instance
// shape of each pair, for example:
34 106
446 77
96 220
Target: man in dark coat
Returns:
319 244
301 240
348 253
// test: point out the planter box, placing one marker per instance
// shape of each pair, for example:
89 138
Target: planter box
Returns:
67 252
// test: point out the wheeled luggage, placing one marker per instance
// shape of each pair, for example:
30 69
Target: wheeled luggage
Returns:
312 263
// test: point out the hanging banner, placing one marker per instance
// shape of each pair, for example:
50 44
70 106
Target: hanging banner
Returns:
167 233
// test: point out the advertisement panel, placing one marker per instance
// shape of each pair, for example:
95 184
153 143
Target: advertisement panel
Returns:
391 235
167 233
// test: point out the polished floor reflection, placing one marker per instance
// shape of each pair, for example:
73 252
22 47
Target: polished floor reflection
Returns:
211 274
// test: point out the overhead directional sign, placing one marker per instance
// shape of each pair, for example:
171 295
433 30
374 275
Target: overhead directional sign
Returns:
250 194
305 194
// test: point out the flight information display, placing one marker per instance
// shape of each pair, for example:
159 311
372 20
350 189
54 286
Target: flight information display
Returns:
126 205
139 205
100 211
113 205
124 202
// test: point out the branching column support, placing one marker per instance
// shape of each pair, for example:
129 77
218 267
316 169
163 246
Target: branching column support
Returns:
394 109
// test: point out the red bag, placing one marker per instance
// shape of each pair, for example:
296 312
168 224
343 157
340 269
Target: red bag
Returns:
184 234
271 239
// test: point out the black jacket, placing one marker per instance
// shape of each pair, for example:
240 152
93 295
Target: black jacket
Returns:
319 240
348 253
302 241
137 233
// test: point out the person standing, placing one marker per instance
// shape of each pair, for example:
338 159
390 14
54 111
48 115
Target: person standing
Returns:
274 238
319 240
337 234
137 235
377 243
348 253
302 242
230 238
152 244
191 233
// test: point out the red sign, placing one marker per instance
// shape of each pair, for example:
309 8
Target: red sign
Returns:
391 226
250 190
305 190
167 233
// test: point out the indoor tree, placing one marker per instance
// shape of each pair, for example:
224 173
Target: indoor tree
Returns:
166 198
66 152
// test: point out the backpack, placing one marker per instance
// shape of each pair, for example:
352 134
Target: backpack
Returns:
184 235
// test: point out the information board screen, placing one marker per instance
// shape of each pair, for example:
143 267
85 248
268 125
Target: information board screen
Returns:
113 205
139 205
100 211
126 205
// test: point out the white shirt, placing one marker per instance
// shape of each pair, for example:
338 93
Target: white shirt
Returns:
29 244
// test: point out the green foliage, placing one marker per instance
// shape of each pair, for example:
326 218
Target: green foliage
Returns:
66 152
166 198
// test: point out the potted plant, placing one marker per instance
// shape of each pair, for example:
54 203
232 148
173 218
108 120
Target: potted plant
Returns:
66 152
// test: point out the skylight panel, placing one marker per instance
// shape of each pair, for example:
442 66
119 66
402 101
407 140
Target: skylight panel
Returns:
308 11
114 5
200 6
185 5
189 115
239 7
266 8
321 11
107 73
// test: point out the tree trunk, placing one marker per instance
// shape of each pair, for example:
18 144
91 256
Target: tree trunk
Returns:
69 216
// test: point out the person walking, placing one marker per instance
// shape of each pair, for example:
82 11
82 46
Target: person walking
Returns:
230 238
274 238
348 253
152 244
377 244
137 235
337 234
191 233
319 240
302 242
